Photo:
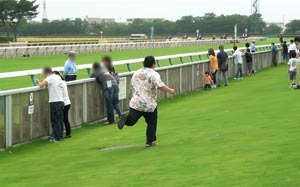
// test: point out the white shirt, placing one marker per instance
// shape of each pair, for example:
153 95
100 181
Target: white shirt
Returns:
55 88
66 94
292 47
145 83
238 57
293 64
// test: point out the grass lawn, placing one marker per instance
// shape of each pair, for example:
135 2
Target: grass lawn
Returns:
36 62
244 135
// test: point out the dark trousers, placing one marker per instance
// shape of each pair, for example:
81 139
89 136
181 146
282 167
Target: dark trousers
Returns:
214 77
111 96
150 118
274 59
66 120
239 71
71 78
57 119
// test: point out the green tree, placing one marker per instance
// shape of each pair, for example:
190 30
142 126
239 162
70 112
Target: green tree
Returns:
6 6
293 27
273 29
22 10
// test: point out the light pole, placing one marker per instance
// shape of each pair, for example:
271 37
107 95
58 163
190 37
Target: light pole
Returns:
101 35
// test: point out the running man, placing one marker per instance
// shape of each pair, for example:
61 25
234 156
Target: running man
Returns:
145 83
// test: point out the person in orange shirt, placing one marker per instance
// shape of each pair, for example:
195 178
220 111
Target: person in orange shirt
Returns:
213 66
207 81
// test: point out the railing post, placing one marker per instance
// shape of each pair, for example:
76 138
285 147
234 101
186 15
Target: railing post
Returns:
192 59
8 120
180 79
200 57
158 63
181 60
84 103
129 67
33 79
89 72
171 61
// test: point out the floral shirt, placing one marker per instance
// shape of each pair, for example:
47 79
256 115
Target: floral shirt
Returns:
145 83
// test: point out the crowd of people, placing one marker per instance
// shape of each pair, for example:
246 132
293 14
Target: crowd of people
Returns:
145 83
291 55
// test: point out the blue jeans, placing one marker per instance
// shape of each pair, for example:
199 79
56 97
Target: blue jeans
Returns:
239 71
111 96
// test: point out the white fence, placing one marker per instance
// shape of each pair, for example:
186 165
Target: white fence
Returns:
9 52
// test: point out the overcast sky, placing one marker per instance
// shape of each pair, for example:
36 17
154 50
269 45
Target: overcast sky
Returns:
272 10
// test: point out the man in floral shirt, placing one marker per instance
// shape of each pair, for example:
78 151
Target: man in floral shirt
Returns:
145 83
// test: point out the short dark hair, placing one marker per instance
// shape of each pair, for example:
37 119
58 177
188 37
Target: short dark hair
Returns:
47 70
297 39
107 59
293 54
284 42
292 41
221 47
247 44
248 50
96 66
211 51
273 43
235 48
207 73
149 62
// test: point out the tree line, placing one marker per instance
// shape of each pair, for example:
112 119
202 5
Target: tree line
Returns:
16 19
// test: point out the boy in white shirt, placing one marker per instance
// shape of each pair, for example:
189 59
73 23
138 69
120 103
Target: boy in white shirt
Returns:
292 68
238 60
56 100
292 48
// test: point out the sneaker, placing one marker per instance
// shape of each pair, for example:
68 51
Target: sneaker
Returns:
108 123
235 78
68 136
241 78
122 121
148 145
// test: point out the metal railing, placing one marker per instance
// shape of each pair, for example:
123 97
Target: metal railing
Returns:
170 58
17 125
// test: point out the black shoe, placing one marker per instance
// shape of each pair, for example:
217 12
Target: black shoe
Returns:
226 84
122 121
148 145
68 136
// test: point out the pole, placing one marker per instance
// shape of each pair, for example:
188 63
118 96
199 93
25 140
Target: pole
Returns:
235 35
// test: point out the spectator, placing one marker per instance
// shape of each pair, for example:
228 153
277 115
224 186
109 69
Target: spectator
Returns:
56 100
207 81
249 60
281 38
238 60
292 68
110 89
107 61
274 54
285 52
223 66
70 70
213 66
253 47
67 106
145 83
292 48
247 45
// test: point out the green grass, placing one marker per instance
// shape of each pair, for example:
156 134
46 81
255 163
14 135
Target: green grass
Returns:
245 135
37 62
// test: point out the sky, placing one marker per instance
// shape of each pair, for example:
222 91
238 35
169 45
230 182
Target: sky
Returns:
272 10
